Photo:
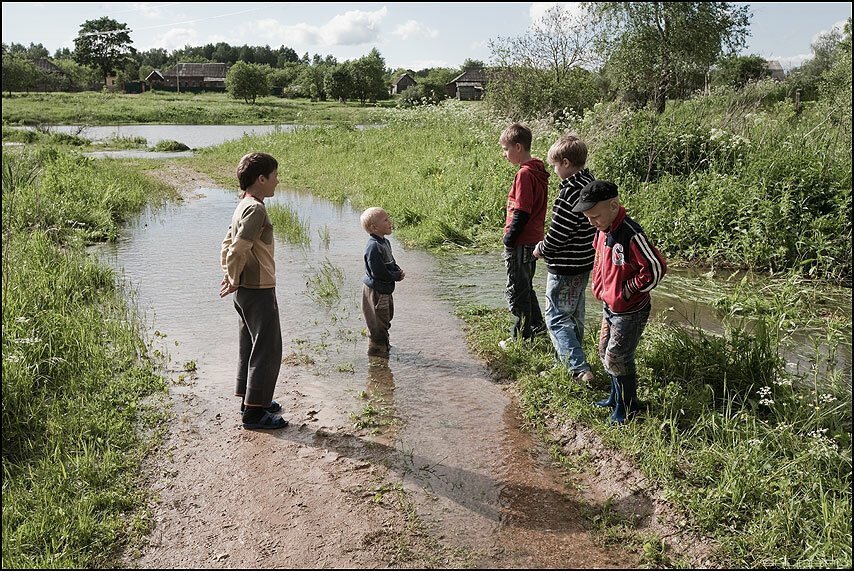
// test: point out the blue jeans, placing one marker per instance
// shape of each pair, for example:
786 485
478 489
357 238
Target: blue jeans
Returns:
521 297
619 338
565 318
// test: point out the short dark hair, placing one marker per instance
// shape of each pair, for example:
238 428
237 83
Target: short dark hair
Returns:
517 133
252 166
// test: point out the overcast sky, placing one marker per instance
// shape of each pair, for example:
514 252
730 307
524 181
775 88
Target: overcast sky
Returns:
410 35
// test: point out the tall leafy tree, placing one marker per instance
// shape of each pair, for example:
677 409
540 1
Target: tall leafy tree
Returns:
18 73
247 81
541 71
658 50
104 44
369 77
737 71
338 82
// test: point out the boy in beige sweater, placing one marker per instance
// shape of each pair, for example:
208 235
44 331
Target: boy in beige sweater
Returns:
247 260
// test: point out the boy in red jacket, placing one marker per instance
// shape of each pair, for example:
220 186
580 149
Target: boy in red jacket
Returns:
523 229
625 269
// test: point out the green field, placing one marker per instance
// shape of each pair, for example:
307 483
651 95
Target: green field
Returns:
162 107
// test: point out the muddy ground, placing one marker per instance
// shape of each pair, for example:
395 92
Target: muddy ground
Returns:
455 481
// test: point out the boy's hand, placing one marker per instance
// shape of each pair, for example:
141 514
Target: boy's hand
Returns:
402 274
537 253
226 287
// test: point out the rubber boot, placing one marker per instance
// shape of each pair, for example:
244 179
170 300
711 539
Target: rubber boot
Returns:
611 401
626 397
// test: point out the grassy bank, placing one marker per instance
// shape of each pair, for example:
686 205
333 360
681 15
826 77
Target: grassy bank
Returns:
77 383
735 179
757 458
160 107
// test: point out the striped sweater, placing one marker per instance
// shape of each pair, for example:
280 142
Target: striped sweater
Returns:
568 245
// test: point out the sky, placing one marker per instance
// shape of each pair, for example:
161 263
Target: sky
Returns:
413 35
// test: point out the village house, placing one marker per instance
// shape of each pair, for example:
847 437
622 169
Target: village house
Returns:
468 86
52 77
403 82
775 70
191 76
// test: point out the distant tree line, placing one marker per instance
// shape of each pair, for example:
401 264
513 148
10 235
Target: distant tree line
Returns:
643 53
103 47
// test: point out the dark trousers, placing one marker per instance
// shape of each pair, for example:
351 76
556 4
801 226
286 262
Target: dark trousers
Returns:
378 309
521 296
259 345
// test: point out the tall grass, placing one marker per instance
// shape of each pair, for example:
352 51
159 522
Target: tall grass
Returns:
733 180
288 224
757 458
77 419
324 283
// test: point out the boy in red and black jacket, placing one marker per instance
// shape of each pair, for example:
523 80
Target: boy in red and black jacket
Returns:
625 269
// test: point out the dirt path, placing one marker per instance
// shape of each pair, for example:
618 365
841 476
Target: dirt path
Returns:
417 462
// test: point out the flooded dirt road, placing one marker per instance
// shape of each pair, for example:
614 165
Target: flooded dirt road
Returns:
416 462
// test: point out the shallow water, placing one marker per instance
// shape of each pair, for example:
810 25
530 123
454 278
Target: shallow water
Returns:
479 480
683 297
194 136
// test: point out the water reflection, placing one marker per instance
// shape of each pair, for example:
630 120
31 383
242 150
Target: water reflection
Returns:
452 434
194 136
685 297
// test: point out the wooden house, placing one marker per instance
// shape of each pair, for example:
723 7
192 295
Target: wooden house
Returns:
403 82
52 77
468 86
775 70
192 76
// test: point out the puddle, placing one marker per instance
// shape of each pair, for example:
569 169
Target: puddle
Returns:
479 482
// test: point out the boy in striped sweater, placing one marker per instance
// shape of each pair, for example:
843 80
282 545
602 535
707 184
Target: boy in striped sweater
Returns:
625 269
568 253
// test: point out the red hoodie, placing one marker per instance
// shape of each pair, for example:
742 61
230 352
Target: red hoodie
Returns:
529 193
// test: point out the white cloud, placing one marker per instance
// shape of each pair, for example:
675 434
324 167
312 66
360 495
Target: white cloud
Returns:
302 34
348 29
791 62
354 27
147 9
413 29
177 38
539 9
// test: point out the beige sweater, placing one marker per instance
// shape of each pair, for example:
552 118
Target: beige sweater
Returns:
246 255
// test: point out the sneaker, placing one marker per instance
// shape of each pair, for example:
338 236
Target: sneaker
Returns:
585 377
505 345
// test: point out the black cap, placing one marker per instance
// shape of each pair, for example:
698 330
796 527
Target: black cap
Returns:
594 192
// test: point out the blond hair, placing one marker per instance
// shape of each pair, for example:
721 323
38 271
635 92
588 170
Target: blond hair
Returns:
368 216
569 147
